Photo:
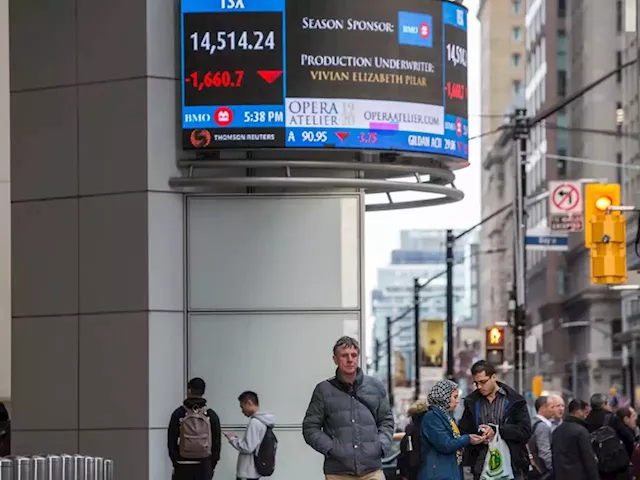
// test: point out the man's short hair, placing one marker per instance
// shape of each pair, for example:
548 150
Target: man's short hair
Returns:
623 412
541 401
483 366
197 386
249 396
576 405
597 400
346 342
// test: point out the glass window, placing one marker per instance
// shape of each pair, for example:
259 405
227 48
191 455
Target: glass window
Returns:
516 6
562 83
516 33
618 65
561 282
517 87
562 8
515 59
619 16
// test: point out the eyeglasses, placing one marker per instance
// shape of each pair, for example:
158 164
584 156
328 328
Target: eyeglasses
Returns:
481 383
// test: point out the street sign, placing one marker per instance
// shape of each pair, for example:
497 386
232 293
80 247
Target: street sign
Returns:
544 240
573 222
565 197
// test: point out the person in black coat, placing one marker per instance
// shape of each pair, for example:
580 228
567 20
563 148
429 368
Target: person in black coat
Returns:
494 402
601 411
573 457
184 469
5 431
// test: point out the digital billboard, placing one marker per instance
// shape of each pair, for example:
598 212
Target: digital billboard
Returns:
345 74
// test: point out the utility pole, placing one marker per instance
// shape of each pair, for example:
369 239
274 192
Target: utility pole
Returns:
416 330
521 136
389 377
376 356
450 357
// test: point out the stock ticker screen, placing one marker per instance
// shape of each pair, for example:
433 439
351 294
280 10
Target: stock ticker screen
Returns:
344 74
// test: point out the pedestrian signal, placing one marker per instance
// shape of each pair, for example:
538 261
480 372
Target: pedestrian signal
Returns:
495 337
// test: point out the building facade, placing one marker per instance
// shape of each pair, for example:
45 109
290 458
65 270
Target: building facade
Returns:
503 59
502 36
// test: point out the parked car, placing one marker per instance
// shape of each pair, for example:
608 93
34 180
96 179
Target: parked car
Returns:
390 463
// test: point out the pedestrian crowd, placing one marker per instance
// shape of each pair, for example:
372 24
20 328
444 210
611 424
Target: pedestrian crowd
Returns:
496 438
349 421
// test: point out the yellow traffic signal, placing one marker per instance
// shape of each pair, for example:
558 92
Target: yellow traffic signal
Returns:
537 386
597 198
608 249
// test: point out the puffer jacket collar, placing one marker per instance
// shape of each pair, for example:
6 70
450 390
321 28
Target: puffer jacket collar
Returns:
345 385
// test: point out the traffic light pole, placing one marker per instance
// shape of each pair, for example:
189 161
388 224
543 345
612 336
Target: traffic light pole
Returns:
389 377
416 331
450 353
521 136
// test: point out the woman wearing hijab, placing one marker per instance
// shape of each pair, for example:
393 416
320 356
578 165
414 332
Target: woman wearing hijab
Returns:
442 443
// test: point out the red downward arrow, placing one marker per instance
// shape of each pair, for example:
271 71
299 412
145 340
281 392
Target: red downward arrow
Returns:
342 135
270 76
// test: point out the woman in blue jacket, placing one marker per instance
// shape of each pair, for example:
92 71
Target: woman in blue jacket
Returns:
441 441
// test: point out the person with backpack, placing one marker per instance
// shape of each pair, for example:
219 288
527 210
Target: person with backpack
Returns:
410 457
611 441
539 445
349 419
257 448
194 436
572 455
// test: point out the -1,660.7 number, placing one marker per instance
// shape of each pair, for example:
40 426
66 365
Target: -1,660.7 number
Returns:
224 79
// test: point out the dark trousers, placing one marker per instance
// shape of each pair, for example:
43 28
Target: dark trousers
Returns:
193 471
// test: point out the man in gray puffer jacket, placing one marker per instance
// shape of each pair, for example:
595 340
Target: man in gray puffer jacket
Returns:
349 419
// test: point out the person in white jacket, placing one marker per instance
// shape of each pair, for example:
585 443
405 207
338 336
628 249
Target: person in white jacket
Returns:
248 445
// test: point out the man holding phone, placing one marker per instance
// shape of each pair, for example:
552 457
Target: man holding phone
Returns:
248 445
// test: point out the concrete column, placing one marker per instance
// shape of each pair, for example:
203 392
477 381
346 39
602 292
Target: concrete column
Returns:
98 356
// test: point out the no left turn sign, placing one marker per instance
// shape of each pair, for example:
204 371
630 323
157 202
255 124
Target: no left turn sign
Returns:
565 197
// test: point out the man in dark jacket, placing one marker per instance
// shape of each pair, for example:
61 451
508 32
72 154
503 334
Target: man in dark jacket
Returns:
495 403
5 431
349 419
601 411
573 457
187 469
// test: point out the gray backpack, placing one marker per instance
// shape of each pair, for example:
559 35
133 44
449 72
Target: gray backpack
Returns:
195 435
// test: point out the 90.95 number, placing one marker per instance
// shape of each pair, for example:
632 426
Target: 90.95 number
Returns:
218 41
314 137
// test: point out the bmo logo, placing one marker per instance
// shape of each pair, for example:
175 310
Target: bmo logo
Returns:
415 29
197 118
223 116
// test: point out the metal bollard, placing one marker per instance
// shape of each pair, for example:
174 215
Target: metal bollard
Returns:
38 468
21 468
54 467
6 469
108 470
79 465
68 471
99 468
90 468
